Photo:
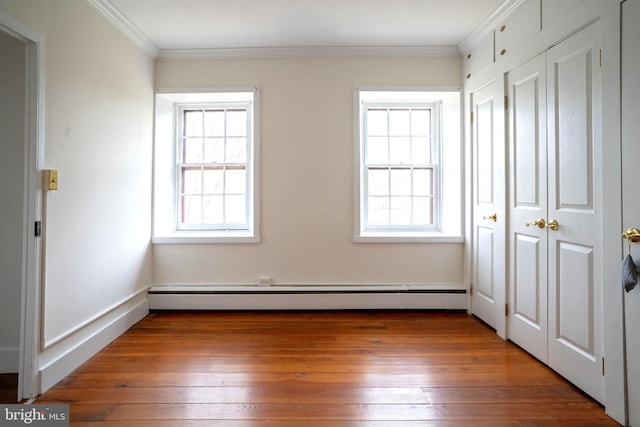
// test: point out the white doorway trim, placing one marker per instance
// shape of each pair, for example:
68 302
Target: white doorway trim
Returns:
28 384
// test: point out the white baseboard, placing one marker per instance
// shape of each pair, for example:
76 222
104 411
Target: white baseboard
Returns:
67 355
332 297
9 360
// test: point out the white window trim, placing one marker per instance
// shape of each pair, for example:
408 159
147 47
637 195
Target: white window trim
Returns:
165 229
450 209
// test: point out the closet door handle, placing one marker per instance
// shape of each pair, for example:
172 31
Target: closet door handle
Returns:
492 217
540 222
553 225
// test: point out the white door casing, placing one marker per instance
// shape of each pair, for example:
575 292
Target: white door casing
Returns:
527 325
488 277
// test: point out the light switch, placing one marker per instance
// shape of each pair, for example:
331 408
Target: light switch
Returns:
50 179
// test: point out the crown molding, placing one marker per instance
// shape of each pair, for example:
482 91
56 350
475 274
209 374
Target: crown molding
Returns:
311 52
123 24
504 11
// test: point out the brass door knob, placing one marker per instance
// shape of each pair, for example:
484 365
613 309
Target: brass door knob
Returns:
540 222
553 225
632 234
492 217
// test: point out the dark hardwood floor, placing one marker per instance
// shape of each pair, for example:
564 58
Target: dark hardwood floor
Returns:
319 369
8 388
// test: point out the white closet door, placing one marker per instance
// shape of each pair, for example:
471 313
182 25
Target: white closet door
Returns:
527 324
631 191
488 296
575 202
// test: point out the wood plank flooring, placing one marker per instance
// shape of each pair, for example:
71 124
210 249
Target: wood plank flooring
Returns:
319 369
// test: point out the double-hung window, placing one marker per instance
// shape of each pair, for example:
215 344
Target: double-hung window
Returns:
400 179
213 167
205 177
399 173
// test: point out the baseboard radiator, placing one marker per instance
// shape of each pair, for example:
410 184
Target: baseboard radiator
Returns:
307 297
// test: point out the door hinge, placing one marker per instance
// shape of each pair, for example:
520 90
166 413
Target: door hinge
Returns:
472 117
603 366
506 102
471 289
506 310
600 58
37 229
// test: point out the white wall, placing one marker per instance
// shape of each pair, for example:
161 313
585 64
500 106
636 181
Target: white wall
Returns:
98 134
306 177
12 148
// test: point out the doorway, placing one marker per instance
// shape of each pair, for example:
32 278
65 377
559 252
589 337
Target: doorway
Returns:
21 148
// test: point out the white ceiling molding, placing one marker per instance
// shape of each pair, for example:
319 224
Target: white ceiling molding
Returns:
503 12
311 52
123 24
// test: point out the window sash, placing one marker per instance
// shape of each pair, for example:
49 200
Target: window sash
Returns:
380 208
205 164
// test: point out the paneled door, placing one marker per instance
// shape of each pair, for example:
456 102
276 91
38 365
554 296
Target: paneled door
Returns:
488 279
575 202
555 285
526 88
631 191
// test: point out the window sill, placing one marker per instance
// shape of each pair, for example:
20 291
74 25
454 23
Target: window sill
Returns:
208 237
426 237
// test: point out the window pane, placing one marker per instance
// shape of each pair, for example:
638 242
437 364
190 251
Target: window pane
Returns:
191 181
400 150
399 122
214 150
192 150
377 150
236 209
236 181
213 180
214 123
236 123
423 210
378 210
213 209
191 210
377 123
422 182
400 211
421 122
193 123
378 182
236 150
421 150
400 182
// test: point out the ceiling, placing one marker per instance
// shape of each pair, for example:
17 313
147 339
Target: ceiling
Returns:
251 24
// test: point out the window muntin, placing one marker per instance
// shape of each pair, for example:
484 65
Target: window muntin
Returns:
399 172
213 168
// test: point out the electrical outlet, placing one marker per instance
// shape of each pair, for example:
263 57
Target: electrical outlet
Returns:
265 281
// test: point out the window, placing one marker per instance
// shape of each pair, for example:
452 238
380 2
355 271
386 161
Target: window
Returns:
400 180
399 172
205 167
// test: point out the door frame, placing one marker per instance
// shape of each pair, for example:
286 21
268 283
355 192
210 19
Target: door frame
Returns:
28 386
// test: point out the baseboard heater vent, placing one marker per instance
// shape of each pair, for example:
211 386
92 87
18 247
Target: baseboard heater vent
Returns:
225 297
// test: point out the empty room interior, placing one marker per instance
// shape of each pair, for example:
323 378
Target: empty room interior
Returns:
291 212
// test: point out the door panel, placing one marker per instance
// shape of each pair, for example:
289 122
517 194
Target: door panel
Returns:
528 256
488 201
575 270
575 285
